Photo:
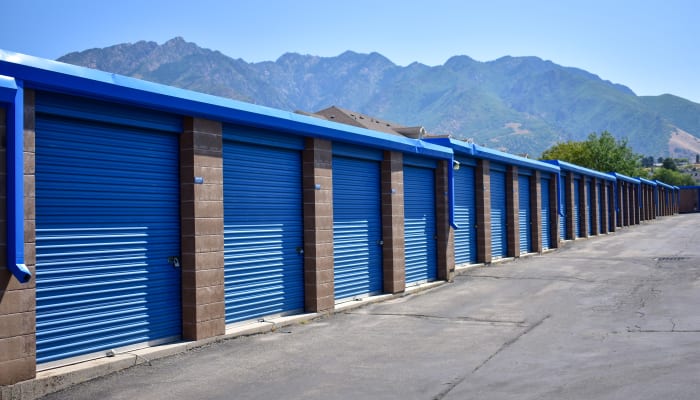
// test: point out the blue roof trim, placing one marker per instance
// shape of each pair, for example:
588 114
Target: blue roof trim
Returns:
458 146
647 181
8 88
667 186
625 178
45 74
689 187
565 166
499 156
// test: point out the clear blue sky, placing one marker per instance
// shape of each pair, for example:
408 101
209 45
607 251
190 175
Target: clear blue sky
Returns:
651 46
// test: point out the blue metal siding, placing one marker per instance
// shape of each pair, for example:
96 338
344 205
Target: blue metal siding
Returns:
546 217
524 214
107 220
499 232
465 215
563 222
263 231
577 207
357 227
600 207
420 224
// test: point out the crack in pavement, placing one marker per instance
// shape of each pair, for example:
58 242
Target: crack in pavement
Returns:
459 380
525 278
519 323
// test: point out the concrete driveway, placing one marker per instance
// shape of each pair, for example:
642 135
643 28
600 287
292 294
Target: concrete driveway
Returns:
613 317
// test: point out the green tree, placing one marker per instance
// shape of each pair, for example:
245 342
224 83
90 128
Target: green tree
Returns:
602 153
670 163
674 178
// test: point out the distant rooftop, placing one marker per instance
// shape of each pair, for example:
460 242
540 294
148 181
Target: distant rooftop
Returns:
360 120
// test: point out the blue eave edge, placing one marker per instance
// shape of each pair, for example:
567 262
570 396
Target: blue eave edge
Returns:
506 158
647 181
625 178
459 147
52 75
12 94
667 186
566 166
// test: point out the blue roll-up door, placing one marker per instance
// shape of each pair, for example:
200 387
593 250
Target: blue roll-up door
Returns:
599 200
563 223
546 218
499 231
107 225
524 214
577 208
263 229
420 224
357 227
465 215
589 201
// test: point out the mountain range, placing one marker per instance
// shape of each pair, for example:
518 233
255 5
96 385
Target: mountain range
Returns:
515 104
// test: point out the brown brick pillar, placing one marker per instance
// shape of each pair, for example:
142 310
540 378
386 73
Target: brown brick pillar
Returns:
604 210
445 233
512 211
569 190
393 254
202 229
318 225
483 212
554 211
18 300
536 211
595 213
582 212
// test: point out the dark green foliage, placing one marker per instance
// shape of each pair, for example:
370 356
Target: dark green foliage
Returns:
670 163
602 153
672 177
516 104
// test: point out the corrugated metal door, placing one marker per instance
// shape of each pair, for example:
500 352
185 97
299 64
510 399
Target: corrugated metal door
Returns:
465 215
107 222
563 222
263 227
600 207
524 214
419 223
499 231
357 227
546 218
577 208
589 201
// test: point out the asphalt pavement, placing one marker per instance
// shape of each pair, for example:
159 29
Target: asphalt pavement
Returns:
611 317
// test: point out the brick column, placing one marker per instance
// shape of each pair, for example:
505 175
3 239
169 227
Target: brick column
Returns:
604 210
202 229
595 213
483 212
445 233
554 212
536 210
18 300
393 251
569 190
318 225
582 213
512 211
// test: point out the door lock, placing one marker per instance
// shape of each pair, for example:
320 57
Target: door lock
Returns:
175 261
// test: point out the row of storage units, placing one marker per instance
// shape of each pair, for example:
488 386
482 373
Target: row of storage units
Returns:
152 214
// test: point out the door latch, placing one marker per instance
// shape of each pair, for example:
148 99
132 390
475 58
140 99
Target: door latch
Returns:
175 261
